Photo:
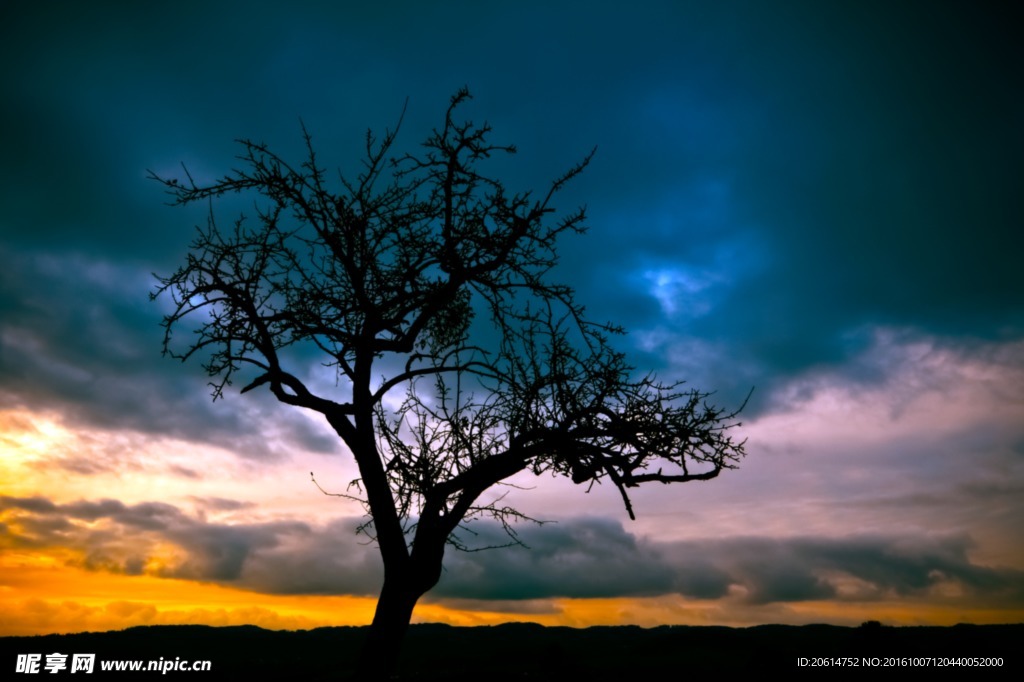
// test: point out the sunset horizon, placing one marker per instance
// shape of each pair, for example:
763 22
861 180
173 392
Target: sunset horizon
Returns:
811 214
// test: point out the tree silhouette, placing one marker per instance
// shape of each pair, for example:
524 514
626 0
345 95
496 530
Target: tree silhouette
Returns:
425 286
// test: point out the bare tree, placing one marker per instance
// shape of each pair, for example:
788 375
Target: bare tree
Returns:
425 286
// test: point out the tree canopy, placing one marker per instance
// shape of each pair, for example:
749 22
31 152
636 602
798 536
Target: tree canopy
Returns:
459 361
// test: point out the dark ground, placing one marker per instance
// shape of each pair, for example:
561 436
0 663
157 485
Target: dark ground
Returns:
520 651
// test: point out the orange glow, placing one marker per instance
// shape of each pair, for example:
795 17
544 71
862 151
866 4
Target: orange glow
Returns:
50 589
40 594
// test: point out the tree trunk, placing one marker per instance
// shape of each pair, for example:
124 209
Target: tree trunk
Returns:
378 659
403 586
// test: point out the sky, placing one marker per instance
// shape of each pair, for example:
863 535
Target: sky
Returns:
820 203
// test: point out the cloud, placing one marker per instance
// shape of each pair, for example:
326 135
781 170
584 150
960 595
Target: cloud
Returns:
592 558
783 193
81 338
582 558
280 557
220 503
860 568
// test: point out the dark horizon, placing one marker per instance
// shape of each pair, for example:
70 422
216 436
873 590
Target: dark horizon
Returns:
438 651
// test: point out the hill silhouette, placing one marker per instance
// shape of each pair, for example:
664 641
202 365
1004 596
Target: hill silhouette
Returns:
526 651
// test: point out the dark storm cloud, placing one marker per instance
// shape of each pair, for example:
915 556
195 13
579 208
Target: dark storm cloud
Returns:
873 161
274 557
282 557
332 560
80 336
800 569
585 558
580 558
598 558
771 181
